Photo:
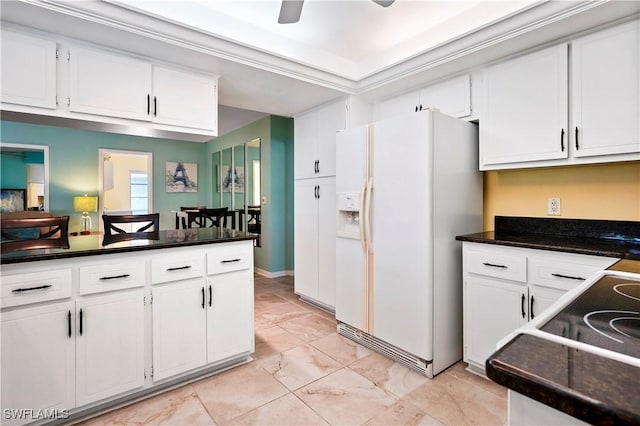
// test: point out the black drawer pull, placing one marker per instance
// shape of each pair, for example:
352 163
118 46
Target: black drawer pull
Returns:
69 322
494 265
569 277
179 268
210 296
20 290
562 140
522 305
114 277
202 297
81 322
230 261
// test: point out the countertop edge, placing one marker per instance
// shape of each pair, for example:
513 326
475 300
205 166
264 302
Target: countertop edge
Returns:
116 250
554 395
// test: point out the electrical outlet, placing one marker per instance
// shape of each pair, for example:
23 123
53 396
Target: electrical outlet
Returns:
553 206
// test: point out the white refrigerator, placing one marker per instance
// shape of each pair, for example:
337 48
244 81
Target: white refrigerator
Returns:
405 187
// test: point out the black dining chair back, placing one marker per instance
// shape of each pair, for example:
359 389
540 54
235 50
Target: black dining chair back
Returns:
34 233
149 227
214 217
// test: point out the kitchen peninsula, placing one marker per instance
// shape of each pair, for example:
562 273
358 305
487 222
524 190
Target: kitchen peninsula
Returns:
95 326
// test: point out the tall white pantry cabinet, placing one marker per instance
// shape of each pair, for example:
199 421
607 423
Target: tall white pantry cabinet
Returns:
314 195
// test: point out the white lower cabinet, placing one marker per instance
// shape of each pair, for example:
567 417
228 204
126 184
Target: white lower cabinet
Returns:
109 345
38 359
505 287
229 315
179 328
86 331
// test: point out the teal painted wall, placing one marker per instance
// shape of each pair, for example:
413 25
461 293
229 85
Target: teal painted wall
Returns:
13 172
276 146
73 166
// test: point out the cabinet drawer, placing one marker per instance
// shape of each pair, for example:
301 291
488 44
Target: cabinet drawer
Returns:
229 257
115 276
22 289
497 263
565 271
177 266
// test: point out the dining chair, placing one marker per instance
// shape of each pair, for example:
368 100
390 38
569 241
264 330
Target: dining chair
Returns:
114 224
217 217
34 233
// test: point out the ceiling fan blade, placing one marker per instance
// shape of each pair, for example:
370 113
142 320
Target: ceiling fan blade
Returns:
290 11
384 3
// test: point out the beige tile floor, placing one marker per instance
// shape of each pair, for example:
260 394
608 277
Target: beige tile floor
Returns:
304 373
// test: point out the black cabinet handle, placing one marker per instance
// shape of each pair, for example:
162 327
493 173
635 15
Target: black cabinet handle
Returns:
318 168
20 290
420 107
69 322
315 192
531 308
202 297
148 104
210 295
230 260
179 268
493 265
318 192
569 277
416 108
81 322
577 143
114 277
155 106
562 140
522 305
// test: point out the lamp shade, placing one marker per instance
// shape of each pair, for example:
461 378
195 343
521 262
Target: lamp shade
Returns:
85 204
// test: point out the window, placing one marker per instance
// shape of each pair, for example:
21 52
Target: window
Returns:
139 192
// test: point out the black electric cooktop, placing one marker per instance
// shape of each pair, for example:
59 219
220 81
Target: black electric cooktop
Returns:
606 315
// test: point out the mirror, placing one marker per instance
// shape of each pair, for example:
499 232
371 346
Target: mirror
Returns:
125 185
238 187
26 167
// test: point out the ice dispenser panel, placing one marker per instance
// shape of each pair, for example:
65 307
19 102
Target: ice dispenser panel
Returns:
348 214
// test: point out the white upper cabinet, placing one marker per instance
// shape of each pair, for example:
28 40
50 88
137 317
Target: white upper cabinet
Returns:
109 84
451 97
605 81
563 106
185 99
28 70
526 111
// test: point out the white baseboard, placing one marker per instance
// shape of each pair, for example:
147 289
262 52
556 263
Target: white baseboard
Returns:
276 274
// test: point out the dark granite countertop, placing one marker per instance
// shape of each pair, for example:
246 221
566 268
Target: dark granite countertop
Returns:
592 388
91 245
593 237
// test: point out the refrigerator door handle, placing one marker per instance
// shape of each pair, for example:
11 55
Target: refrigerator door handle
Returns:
367 215
363 196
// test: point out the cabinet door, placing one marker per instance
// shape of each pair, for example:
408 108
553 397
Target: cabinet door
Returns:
184 99
38 358
540 298
331 118
606 92
109 345
179 327
306 237
28 70
400 105
229 315
484 324
327 241
109 84
451 97
525 114
304 151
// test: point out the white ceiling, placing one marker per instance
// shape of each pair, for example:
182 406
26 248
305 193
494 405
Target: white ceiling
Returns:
349 38
337 48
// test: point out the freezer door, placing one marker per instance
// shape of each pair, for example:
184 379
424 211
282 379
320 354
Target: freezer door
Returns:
351 267
401 219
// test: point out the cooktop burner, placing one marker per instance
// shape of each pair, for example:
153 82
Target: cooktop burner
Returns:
606 315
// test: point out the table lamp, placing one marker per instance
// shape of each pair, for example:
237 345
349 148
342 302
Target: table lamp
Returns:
85 205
